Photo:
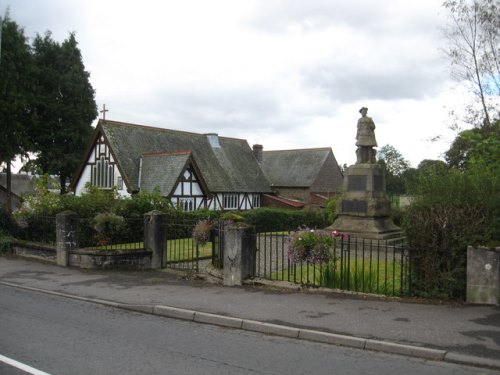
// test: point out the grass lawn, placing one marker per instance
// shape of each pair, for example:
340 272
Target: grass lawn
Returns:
360 276
177 250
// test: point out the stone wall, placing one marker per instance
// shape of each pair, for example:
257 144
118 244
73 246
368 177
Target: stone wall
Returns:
36 251
98 259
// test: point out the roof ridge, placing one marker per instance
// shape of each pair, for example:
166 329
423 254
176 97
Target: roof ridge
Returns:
167 153
302 149
149 127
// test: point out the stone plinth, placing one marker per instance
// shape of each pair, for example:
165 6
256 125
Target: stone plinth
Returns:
364 210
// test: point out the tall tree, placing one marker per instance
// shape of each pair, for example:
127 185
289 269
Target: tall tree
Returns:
394 165
474 51
16 88
65 106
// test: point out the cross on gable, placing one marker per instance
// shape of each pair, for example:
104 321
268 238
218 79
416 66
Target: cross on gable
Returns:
103 111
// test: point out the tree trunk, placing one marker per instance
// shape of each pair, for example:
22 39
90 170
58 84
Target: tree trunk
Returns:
9 188
62 182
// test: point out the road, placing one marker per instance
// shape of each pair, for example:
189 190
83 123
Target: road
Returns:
63 336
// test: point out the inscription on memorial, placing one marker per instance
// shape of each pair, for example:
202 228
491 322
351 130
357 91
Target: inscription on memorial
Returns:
378 183
356 183
354 206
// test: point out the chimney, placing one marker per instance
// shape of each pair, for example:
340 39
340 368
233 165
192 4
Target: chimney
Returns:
213 139
257 152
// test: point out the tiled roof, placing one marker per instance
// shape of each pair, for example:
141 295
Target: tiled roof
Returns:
297 168
230 168
20 184
162 170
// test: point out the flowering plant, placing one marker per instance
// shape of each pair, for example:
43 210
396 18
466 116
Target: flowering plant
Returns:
201 232
310 246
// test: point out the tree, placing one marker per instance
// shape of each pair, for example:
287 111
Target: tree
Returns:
473 35
394 165
65 106
16 110
477 145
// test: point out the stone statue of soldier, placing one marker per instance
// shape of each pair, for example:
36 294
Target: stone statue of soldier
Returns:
365 138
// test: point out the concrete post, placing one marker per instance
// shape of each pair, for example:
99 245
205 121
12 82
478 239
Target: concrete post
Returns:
483 275
155 236
239 253
66 236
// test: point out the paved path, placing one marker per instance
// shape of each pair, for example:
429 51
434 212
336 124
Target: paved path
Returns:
470 334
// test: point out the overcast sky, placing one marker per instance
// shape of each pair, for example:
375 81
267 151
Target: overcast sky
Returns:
282 73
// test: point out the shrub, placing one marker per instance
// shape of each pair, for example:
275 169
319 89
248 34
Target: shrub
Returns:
453 209
7 223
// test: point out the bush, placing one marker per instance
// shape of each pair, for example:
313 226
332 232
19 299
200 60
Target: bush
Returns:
453 209
7 223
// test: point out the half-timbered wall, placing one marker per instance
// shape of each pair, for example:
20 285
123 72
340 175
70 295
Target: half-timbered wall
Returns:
188 193
101 170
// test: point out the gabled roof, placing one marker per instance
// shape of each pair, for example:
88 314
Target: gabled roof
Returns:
20 183
164 169
294 168
228 168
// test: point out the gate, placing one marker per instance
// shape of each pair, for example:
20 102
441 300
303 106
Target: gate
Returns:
183 252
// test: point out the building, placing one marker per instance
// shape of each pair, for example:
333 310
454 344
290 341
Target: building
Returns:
307 176
194 170
204 170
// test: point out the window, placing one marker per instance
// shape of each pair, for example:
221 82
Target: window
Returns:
230 201
102 173
256 200
187 204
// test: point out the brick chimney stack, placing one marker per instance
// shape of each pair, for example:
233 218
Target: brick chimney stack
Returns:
257 152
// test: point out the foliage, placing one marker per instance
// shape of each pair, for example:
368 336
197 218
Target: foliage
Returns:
476 146
16 95
277 220
5 244
453 209
473 35
108 226
7 224
395 166
331 208
201 232
65 106
310 246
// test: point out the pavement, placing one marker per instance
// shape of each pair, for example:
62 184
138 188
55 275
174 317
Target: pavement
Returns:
451 332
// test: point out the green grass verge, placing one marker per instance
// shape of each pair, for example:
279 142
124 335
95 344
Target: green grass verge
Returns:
360 276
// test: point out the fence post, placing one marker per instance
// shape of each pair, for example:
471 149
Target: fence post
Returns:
483 275
155 236
239 252
66 236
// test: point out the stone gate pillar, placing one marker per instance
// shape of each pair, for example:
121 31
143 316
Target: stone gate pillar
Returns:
66 236
155 239
483 275
239 253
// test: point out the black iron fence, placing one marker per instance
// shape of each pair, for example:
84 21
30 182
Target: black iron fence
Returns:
113 233
360 265
37 228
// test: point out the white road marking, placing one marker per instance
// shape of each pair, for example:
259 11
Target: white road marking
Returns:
22 366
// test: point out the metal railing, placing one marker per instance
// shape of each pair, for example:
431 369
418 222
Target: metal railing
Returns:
360 265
